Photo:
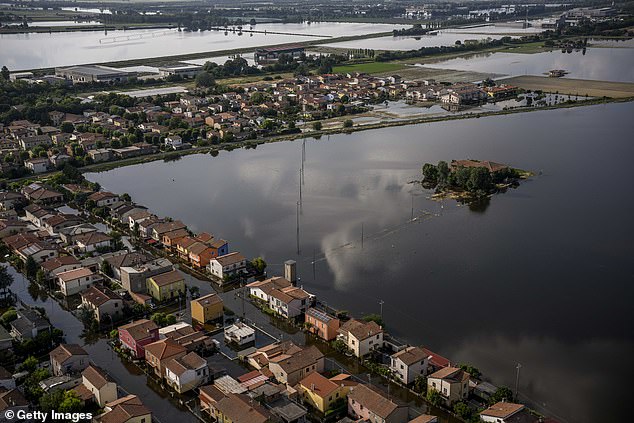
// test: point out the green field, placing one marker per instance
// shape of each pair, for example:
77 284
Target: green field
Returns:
371 67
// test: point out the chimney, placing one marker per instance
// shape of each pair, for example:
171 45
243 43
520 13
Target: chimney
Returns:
290 271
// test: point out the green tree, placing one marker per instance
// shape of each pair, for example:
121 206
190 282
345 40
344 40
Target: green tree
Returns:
8 316
259 264
430 173
71 403
434 397
6 279
347 123
473 371
29 365
30 267
106 269
501 394
40 276
67 127
373 318
462 410
317 126
205 80
5 73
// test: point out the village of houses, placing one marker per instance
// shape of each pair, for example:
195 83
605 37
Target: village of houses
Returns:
250 112
121 281
122 270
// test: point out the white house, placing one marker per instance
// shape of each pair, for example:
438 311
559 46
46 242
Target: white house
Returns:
361 337
261 289
240 333
409 363
91 241
451 382
227 265
74 281
38 165
173 141
99 384
290 302
186 373
68 359
103 303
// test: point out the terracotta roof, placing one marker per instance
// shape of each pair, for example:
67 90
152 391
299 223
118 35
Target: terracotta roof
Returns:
70 275
58 262
373 400
360 330
167 278
436 360
92 238
453 374
411 355
65 351
83 393
241 409
301 359
502 410
230 258
102 195
191 361
208 299
319 384
140 329
12 398
96 376
165 348
99 295
124 409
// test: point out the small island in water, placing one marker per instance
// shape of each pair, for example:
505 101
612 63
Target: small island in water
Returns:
470 180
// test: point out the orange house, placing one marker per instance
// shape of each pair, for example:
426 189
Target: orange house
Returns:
322 324
169 238
182 246
200 254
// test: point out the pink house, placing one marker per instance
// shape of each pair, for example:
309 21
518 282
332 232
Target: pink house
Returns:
365 403
136 335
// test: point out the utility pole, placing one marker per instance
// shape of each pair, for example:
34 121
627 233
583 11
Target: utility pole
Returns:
517 380
381 304
298 228
361 234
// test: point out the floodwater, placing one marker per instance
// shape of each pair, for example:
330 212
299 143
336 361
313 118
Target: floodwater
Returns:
540 275
38 50
128 377
604 64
